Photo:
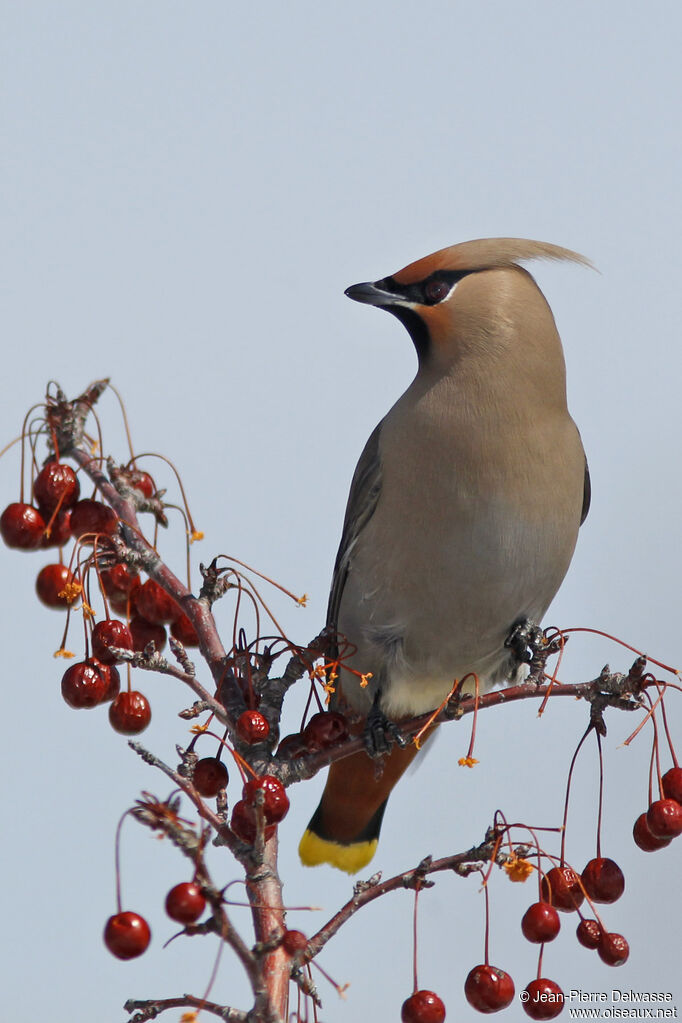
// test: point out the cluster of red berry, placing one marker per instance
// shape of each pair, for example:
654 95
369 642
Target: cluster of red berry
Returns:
59 515
56 491
275 804
663 820
562 889
210 775
127 935
489 989
324 729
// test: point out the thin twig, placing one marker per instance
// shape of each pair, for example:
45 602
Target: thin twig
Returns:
365 892
153 1007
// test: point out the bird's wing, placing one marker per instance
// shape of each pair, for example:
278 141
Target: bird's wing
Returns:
362 500
587 494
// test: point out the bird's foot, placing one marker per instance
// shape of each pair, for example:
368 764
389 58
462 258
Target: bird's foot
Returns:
531 646
525 641
380 732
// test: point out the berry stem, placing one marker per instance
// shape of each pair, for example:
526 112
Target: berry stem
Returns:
216 964
621 642
246 661
487 922
555 673
23 449
265 578
414 939
651 773
62 645
649 714
540 954
656 753
470 751
154 454
117 861
307 705
126 425
188 541
667 730
568 791
537 844
601 791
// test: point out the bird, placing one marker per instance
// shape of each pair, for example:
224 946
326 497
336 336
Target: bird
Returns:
462 517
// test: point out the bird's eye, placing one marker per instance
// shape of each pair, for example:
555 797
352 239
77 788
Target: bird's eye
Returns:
436 290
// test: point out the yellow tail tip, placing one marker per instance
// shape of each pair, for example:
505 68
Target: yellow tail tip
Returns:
314 850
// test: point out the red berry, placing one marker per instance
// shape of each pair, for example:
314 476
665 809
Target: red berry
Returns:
183 630
643 837
141 481
154 604
210 776
603 880
276 801
108 633
85 684
144 632
540 923
292 746
325 729
561 887
185 903
130 713
664 818
93 517
120 583
127 935
252 727
422 1007
588 933
57 530
51 583
243 823
488 989
21 526
114 685
672 784
544 999
294 942
56 484
613 949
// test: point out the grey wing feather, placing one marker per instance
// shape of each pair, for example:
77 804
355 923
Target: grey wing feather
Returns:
364 494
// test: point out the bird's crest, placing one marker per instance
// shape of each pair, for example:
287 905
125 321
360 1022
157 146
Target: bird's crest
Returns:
484 253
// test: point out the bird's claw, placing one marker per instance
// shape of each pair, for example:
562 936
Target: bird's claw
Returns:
380 733
524 640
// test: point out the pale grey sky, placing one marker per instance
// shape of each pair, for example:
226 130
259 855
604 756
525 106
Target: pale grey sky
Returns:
188 189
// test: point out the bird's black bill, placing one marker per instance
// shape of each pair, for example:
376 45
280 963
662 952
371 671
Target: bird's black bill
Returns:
370 294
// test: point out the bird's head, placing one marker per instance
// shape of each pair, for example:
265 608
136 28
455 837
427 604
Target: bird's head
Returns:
474 291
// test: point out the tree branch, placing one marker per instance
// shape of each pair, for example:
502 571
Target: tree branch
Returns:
608 689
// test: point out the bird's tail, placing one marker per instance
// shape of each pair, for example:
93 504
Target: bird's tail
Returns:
344 830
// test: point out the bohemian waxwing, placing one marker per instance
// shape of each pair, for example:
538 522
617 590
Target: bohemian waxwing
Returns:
463 511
